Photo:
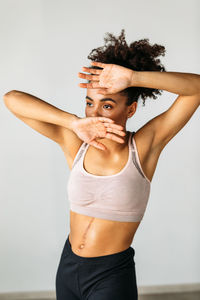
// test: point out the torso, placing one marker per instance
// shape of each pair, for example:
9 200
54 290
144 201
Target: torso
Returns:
90 236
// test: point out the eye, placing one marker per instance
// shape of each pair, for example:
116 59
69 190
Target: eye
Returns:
108 105
104 105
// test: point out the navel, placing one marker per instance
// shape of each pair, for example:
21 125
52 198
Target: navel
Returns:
81 246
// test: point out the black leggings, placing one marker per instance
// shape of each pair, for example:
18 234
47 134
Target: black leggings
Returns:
107 277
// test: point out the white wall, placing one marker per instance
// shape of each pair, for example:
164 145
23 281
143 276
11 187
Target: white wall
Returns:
44 44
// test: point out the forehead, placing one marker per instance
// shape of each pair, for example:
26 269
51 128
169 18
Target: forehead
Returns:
93 94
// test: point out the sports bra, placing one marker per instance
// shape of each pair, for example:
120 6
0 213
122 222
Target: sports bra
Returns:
119 197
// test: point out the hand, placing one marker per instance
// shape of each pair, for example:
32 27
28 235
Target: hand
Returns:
110 80
87 129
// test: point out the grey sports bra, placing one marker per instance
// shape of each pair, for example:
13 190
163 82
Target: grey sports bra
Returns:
119 197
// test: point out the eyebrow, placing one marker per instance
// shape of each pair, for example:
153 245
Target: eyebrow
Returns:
104 99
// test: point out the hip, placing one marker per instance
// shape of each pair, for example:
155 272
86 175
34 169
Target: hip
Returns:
110 276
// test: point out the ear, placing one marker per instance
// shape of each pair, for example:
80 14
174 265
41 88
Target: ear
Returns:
132 109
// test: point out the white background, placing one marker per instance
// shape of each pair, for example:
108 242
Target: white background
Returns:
44 44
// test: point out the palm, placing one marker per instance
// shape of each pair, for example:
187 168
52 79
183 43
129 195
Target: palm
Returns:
114 78
110 79
90 128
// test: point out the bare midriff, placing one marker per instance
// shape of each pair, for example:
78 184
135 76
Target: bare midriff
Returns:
90 237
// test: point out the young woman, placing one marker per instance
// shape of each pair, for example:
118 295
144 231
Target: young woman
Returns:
111 168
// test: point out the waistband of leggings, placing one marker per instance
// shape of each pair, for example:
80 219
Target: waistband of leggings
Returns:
110 257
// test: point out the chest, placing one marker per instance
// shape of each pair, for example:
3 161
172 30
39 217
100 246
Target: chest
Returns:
98 165
102 165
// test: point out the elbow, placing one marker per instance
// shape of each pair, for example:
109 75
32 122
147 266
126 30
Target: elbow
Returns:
8 95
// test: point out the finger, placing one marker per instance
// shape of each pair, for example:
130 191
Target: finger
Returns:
91 85
98 145
115 126
114 138
91 70
98 64
88 76
119 132
104 119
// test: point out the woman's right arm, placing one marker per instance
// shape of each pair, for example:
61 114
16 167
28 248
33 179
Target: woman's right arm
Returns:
68 130
43 117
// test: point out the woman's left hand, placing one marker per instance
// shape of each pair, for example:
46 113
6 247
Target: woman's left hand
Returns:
110 80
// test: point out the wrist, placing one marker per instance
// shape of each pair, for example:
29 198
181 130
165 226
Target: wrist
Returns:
67 120
134 78
73 121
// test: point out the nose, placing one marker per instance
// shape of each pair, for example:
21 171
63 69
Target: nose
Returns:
95 113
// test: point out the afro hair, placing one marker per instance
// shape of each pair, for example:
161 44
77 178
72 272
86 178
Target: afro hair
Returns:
139 56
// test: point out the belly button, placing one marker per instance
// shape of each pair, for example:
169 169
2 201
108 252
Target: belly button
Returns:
81 246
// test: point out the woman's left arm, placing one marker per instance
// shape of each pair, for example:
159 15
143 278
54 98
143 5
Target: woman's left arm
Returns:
185 84
167 124
162 128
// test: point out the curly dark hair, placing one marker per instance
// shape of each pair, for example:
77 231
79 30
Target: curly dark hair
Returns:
139 56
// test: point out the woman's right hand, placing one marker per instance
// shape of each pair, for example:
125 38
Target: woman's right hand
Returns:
90 128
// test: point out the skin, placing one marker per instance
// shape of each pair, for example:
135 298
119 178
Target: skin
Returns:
90 236
119 112
98 236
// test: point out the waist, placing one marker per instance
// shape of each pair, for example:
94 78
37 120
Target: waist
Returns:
90 236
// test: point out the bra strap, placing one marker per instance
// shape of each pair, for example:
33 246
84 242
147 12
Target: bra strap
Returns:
79 153
134 156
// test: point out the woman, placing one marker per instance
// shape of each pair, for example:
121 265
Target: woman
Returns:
111 168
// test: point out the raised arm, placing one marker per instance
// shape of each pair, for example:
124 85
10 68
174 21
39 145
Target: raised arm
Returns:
45 118
66 129
113 78
184 84
170 122
38 114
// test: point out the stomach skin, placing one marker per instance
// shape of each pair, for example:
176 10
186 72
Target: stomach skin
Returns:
91 237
